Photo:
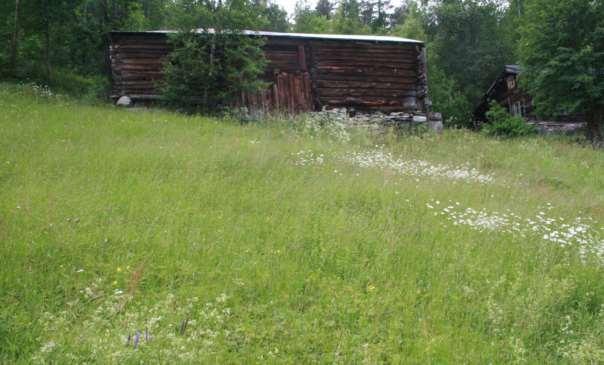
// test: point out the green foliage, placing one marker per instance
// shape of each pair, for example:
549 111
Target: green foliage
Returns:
347 18
115 221
374 14
209 69
67 40
87 88
413 25
502 124
448 99
324 8
468 41
309 21
275 17
562 50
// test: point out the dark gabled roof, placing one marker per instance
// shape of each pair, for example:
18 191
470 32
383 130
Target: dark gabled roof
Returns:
513 69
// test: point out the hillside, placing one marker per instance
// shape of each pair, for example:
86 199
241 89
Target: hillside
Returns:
147 236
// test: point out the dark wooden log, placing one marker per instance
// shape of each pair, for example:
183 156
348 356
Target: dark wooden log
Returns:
142 47
280 53
302 58
361 45
159 62
362 78
366 72
357 101
352 52
408 103
364 84
368 63
367 92
366 66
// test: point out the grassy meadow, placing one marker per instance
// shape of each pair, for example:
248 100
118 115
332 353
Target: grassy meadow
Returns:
147 236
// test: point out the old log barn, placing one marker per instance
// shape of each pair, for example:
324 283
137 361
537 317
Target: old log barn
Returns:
306 72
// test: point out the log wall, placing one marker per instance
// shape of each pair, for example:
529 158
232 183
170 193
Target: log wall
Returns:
365 75
137 62
304 74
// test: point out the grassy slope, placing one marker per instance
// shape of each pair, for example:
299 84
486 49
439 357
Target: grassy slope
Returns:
317 266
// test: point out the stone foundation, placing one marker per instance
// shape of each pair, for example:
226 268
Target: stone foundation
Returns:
374 120
545 127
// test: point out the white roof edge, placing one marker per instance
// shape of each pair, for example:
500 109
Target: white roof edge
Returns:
350 37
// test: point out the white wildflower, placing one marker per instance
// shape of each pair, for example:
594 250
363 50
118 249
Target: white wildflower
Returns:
48 347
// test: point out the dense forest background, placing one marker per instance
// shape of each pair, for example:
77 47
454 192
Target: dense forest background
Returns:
63 43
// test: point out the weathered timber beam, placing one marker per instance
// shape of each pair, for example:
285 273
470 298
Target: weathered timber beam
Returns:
363 60
354 101
405 79
366 72
322 65
403 84
386 93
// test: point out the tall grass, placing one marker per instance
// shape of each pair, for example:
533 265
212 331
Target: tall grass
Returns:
146 236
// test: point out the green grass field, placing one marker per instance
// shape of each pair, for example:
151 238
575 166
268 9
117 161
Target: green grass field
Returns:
147 236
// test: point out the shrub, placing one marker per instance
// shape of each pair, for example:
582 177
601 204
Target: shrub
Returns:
449 100
502 124
208 72
89 88
64 81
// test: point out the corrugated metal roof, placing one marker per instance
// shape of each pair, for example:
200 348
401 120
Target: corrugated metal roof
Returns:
346 37
513 69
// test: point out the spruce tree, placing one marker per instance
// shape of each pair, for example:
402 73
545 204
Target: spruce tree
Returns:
210 68
562 49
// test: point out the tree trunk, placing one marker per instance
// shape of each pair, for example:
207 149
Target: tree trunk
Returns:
47 40
595 122
212 52
106 26
15 40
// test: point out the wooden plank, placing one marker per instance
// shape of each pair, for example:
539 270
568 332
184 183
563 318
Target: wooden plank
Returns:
367 92
402 84
291 94
356 101
407 103
287 43
308 91
360 45
351 52
335 57
144 61
302 58
281 53
394 63
365 66
142 46
326 77
367 72
275 96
